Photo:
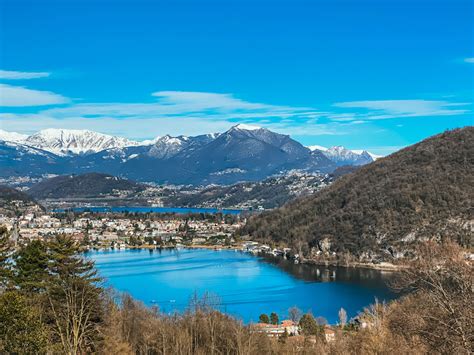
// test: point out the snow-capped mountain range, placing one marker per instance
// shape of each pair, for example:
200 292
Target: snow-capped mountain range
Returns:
343 156
243 153
12 136
68 141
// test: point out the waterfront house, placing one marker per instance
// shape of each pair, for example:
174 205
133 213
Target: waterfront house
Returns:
274 330
329 334
271 330
291 327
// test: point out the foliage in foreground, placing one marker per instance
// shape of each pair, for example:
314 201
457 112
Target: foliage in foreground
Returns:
50 302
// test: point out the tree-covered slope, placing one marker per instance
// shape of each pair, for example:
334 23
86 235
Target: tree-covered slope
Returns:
423 191
86 185
13 201
269 193
9 194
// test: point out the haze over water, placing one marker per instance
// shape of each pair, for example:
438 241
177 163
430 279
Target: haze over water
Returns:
246 285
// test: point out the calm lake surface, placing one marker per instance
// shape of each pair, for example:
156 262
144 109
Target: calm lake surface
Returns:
246 285
145 209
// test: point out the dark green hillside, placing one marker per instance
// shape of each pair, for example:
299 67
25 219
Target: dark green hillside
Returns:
13 201
423 191
87 185
8 193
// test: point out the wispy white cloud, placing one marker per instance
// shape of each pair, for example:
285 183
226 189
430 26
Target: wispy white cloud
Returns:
469 60
18 96
191 113
385 109
206 100
19 75
174 112
181 103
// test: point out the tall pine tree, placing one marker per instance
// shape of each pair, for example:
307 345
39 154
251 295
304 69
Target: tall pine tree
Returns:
5 272
74 297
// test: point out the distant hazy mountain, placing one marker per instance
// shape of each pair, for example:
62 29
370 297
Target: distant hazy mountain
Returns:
87 185
243 153
269 193
422 192
167 146
12 136
68 141
21 160
343 156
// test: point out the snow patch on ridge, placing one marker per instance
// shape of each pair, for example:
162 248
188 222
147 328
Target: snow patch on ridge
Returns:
247 127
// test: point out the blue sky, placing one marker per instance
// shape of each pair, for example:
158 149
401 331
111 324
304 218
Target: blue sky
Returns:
375 75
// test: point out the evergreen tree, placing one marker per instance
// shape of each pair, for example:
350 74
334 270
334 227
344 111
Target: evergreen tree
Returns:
74 297
308 325
21 330
31 267
274 318
264 318
5 271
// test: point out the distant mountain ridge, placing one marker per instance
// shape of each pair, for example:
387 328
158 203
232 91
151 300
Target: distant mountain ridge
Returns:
376 213
66 142
13 201
342 156
243 153
269 193
87 185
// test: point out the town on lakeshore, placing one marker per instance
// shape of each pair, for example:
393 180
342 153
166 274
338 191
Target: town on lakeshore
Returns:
107 230
120 231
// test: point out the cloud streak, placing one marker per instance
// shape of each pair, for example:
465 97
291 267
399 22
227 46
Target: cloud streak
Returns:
18 96
386 109
191 113
212 106
19 75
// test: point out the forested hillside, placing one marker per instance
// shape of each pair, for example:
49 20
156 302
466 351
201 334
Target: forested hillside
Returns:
13 201
424 191
86 185
269 193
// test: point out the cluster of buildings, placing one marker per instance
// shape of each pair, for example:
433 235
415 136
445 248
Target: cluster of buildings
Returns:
290 328
104 231
257 248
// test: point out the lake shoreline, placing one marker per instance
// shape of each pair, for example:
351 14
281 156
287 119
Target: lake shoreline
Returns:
150 209
383 266
246 284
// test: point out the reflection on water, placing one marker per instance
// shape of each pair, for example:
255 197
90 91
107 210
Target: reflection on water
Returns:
320 273
246 285
149 209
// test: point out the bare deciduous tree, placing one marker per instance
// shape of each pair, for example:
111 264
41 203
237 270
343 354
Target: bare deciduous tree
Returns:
342 317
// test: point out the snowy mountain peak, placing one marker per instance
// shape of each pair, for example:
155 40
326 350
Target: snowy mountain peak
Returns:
343 156
12 136
66 142
172 140
168 146
246 127
317 147
365 152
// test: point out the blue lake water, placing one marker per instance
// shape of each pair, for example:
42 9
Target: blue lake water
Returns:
245 285
145 209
